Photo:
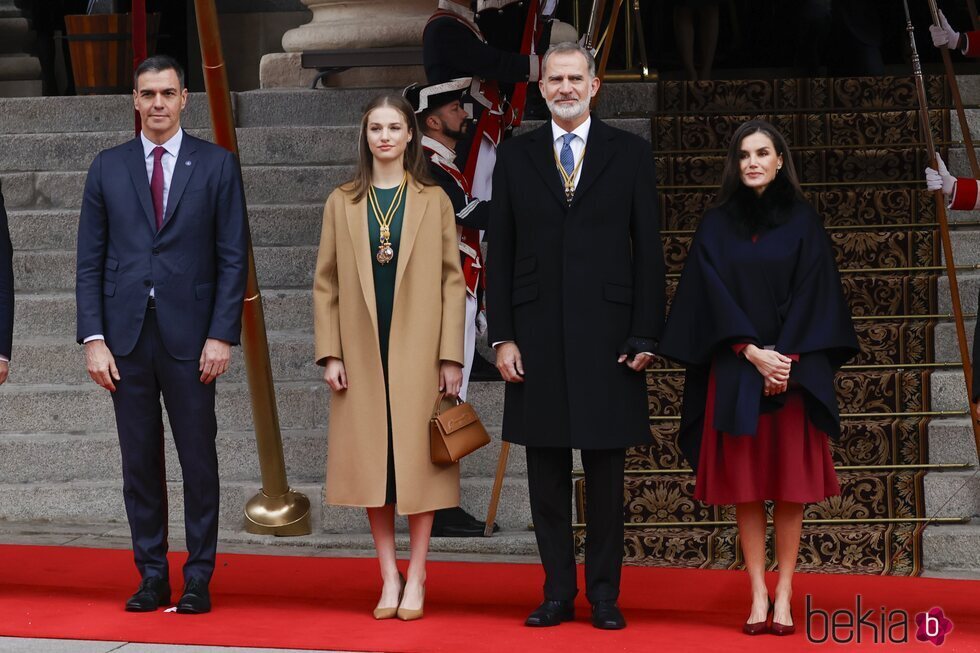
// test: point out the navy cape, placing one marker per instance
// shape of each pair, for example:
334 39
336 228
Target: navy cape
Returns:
781 289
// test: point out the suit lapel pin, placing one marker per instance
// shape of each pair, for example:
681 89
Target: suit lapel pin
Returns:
187 163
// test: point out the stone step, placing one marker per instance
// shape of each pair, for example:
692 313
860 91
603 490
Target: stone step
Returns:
93 456
951 547
282 146
60 360
88 113
263 185
261 108
53 313
951 442
966 247
16 34
21 88
271 225
952 494
88 408
303 405
946 343
519 545
19 67
947 390
102 501
276 267
279 146
969 286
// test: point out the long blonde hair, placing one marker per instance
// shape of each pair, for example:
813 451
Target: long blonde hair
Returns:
413 160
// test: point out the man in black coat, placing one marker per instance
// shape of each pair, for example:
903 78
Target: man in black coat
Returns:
453 47
576 306
6 293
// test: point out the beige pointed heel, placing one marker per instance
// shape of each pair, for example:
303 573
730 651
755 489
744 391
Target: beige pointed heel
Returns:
390 613
411 615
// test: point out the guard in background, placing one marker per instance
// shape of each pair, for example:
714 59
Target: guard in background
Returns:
444 123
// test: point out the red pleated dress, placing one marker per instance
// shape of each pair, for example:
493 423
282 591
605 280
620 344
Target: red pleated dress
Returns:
788 458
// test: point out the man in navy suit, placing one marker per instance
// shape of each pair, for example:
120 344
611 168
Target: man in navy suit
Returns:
162 262
6 293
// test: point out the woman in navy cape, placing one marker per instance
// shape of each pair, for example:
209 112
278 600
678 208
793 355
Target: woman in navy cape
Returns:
761 324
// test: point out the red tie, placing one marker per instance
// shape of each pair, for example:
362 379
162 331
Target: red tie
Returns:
156 184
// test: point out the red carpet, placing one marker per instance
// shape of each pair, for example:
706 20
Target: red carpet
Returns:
326 603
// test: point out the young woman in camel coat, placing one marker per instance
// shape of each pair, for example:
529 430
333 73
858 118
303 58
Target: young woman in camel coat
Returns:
390 337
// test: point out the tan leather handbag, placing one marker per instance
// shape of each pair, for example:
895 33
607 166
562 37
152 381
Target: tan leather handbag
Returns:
454 432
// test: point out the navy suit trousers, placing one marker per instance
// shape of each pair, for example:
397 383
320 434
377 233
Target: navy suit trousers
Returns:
549 479
146 373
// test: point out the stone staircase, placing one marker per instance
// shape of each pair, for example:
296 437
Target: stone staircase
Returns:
59 458
20 71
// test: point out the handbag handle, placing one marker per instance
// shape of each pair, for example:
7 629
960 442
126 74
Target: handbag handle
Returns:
437 409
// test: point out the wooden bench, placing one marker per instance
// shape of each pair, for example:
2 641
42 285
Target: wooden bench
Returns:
334 61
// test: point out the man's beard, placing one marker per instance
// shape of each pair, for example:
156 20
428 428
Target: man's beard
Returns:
455 134
566 112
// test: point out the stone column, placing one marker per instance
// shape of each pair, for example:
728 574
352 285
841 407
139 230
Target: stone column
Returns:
350 24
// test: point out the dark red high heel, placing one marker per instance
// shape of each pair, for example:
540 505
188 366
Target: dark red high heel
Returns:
782 629
759 627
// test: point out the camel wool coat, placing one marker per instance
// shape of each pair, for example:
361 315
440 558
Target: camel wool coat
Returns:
426 328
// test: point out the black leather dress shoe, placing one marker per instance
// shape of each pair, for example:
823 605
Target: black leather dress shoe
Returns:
196 598
606 615
551 613
456 522
152 593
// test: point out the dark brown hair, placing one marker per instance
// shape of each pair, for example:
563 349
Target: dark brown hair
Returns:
731 176
157 64
413 159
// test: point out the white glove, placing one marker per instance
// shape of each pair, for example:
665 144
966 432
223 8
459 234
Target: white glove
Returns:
940 179
943 35
481 323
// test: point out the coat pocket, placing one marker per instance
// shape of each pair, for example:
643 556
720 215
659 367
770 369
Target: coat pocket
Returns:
108 288
614 292
526 265
524 294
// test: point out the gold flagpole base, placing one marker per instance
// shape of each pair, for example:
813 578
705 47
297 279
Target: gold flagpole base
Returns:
285 516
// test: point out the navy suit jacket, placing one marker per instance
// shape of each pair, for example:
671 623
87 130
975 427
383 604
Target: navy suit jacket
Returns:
6 284
197 262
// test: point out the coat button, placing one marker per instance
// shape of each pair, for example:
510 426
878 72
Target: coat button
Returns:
147 283
156 252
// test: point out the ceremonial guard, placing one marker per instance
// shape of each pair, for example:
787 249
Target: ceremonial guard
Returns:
963 194
443 123
454 47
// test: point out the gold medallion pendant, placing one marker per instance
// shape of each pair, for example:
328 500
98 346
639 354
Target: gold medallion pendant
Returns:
386 251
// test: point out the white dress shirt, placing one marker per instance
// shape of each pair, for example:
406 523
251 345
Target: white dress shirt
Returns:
169 162
578 143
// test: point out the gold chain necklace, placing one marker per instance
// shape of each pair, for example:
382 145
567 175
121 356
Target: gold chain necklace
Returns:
386 251
569 179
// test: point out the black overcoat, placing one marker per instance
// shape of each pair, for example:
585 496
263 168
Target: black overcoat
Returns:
571 285
781 289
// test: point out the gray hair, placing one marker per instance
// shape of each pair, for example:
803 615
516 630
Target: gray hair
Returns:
569 46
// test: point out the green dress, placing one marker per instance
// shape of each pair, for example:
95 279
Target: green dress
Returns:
384 299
